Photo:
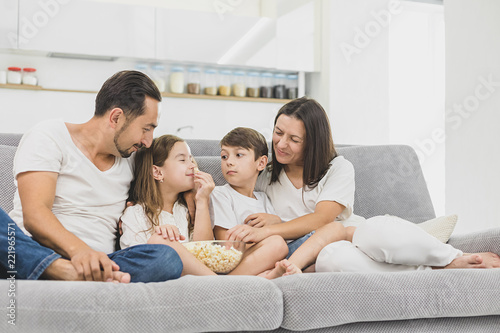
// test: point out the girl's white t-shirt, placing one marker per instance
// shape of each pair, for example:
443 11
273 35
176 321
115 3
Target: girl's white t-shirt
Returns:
230 208
137 228
88 202
290 202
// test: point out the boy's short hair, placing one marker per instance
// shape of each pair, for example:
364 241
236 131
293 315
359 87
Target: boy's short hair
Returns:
246 138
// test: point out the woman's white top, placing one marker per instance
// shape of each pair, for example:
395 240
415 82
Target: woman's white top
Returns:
290 202
137 229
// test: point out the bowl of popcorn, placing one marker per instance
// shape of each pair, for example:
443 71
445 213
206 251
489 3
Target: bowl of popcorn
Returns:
220 256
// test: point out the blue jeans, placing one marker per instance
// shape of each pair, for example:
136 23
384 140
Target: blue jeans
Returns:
294 245
25 258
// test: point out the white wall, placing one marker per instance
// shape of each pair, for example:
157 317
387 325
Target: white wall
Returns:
210 119
473 134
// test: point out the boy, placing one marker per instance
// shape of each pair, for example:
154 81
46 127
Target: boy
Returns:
243 156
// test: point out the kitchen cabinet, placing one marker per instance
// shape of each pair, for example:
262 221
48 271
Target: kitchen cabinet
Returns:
87 28
196 36
8 24
298 46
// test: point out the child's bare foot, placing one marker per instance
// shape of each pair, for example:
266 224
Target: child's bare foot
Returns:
62 269
476 260
291 268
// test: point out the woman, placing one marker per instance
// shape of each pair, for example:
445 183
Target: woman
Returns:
312 189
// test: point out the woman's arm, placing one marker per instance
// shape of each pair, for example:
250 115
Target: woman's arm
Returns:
324 213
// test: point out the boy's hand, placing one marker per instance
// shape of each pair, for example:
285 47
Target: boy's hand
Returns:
204 184
246 234
169 231
260 220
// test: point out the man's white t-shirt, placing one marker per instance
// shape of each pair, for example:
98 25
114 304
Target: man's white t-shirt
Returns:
88 202
290 202
230 208
137 228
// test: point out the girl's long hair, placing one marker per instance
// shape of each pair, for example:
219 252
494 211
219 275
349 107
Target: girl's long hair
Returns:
144 189
318 148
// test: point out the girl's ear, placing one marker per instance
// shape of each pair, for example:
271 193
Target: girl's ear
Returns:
262 163
157 173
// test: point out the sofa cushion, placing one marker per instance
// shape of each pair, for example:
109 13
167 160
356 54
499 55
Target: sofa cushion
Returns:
10 139
440 227
211 164
188 304
389 180
319 300
7 186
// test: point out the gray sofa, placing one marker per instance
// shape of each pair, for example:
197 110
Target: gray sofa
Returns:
388 180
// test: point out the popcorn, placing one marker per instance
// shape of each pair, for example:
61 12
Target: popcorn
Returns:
219 259
196 170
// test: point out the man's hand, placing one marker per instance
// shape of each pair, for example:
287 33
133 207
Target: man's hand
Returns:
260 220
93 265
246 234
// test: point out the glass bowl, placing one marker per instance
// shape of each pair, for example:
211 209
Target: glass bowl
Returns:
218 255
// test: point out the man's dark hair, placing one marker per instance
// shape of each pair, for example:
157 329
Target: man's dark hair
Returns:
126 90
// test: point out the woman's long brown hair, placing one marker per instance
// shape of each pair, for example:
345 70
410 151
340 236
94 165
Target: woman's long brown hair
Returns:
318 146
145 190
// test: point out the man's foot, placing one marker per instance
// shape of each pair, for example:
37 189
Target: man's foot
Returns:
281 268
476 260
62 269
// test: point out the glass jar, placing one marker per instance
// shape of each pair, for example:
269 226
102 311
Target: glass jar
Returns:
225 83
239 88
266 85
292 86
29 76
193 81
279 86
14 75
253 84
210 82
177 80
158 75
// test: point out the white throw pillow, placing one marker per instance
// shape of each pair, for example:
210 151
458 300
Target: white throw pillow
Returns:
440 227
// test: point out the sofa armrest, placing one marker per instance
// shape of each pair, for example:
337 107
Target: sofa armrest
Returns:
487 240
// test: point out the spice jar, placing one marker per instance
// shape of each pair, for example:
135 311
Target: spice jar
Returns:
225 83
292 85
279 86
194 81
210 82
266 86
14 75
253 84
239 84
177 80
158 76
29 76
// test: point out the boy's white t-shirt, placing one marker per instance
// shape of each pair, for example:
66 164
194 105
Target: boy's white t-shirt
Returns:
230 208
290 202
88 202
137 228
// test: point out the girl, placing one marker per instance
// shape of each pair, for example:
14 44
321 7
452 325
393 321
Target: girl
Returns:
313 189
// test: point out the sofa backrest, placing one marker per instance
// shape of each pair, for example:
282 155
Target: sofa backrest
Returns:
389 179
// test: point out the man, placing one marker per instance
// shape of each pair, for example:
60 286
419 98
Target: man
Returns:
72 184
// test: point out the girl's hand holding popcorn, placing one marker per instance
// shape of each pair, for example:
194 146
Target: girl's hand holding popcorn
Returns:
204 185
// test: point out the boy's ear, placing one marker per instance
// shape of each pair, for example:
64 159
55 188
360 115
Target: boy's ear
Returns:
157 174
262 163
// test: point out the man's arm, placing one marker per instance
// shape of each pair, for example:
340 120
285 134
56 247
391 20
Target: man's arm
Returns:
37 192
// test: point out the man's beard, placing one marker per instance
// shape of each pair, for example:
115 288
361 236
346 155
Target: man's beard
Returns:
124 152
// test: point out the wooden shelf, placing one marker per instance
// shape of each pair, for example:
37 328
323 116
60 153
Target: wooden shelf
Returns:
228 98
168 95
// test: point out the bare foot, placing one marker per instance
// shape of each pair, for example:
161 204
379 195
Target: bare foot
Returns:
62 269
291 268
476 260
276 272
